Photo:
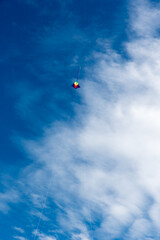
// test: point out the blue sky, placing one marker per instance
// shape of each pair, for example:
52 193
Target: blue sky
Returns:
80 164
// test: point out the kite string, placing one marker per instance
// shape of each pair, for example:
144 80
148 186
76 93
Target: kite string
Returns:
45 200
42 209
78 73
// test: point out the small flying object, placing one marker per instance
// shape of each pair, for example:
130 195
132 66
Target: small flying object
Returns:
76 84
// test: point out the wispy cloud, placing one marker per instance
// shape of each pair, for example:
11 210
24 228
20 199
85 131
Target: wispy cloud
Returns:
39 215
145 18
42 236
6 198
20 238
19 229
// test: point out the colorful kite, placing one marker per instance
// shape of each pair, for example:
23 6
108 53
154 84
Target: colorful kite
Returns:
76 84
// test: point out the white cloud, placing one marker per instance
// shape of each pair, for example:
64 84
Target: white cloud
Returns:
145 18
42 236
140 229
106 161
39 215
20 238
80 236
10 196
19 229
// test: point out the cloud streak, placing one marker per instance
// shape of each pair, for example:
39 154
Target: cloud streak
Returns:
7 198
19 229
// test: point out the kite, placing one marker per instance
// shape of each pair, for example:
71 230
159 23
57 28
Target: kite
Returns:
76 84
